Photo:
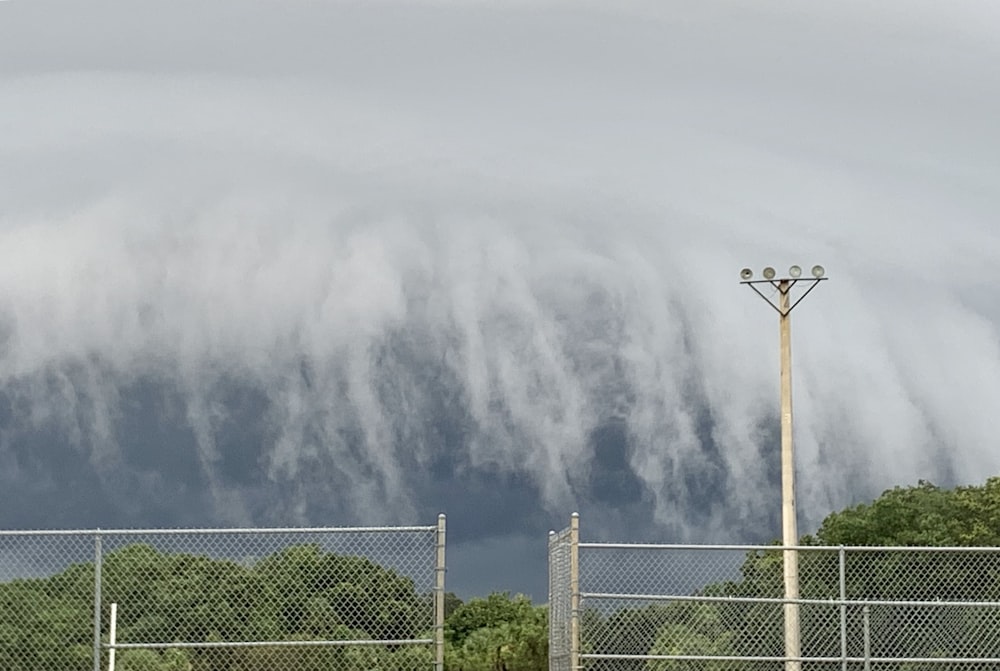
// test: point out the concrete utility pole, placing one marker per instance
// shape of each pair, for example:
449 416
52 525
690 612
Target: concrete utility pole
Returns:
789 524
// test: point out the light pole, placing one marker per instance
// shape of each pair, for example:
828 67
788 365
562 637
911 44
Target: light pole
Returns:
789 525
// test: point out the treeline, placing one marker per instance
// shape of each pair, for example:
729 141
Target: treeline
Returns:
304 594
922 515
297 595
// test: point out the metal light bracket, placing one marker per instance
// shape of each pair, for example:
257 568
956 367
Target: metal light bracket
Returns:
784 286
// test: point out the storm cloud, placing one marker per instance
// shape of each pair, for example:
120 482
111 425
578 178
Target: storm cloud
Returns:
337 263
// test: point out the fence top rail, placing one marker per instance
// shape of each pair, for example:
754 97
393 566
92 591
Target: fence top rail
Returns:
778 548
214 531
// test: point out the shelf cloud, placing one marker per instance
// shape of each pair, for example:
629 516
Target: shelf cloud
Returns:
337 263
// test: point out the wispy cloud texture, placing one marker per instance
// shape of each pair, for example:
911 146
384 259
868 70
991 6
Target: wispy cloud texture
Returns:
306 261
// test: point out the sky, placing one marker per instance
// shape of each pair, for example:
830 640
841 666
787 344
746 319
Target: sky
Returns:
333 263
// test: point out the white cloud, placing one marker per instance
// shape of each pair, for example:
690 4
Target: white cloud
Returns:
550 201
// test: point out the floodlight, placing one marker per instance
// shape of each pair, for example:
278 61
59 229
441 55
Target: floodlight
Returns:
818 271
768 273
795 272
746 274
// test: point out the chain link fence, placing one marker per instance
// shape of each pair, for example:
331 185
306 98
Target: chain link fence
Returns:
716 608
223 599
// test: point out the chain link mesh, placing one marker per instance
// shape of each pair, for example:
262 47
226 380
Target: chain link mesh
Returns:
712 608
219 600
46 602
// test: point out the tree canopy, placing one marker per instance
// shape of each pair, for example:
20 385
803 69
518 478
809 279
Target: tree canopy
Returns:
922 515
304 593
298 594
498 633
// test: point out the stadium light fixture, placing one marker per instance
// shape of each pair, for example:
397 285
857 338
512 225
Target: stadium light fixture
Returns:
789 524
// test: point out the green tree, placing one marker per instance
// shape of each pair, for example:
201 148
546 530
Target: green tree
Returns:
314 590
698 629
498 633
628 631
920 515
40 623
451 603
925 515
485 613
298 594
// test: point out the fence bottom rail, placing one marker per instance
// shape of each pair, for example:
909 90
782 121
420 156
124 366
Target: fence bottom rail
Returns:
265 644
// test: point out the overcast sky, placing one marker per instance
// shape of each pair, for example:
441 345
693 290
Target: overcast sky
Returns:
308 262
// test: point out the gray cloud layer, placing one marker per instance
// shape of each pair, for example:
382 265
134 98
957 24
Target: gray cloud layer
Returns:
337 262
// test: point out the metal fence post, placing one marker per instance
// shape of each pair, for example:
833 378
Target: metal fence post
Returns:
843 608
866 627
439 572
97 600
554 633
574 592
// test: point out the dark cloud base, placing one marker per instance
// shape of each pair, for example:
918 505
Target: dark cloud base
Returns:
155 476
